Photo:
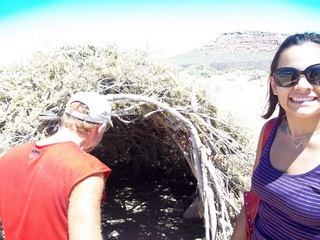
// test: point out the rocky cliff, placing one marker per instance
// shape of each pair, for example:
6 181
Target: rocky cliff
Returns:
253 49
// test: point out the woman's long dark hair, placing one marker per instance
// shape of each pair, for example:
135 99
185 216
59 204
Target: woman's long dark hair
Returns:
293 40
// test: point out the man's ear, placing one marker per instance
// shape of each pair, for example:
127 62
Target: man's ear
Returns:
101 128
274 87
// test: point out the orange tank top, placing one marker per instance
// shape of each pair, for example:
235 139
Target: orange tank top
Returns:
35 185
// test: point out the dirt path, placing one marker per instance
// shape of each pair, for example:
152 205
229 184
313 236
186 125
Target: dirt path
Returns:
151 208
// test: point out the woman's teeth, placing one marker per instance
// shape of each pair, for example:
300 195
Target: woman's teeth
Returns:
303 99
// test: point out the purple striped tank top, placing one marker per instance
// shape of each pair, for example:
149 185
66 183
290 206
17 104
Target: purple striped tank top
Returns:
290 204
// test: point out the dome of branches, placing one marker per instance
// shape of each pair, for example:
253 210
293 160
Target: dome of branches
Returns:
164 118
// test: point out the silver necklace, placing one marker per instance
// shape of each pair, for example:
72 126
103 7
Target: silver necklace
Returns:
298 145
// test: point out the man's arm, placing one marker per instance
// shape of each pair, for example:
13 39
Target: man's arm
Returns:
84 213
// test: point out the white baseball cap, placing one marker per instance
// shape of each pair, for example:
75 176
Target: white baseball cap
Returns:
99 107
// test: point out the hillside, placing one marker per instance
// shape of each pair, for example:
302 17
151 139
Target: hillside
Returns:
253 49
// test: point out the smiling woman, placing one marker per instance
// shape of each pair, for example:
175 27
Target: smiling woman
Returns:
286 173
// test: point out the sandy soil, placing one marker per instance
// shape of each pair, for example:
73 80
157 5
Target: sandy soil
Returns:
150 207
241 101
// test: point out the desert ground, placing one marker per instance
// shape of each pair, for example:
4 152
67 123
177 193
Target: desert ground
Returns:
242 97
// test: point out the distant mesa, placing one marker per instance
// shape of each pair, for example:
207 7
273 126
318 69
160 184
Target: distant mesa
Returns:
247 49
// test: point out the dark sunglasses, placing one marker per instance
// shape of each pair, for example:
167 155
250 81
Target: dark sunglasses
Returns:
289 76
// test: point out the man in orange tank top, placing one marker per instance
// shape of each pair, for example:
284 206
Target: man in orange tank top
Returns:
53 188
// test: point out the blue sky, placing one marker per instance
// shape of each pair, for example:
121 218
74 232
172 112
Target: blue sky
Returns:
166 27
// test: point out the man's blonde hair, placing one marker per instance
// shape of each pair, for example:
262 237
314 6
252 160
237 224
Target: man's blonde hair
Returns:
74 124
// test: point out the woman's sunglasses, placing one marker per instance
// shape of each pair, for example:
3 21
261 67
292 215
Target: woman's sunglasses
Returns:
289 76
